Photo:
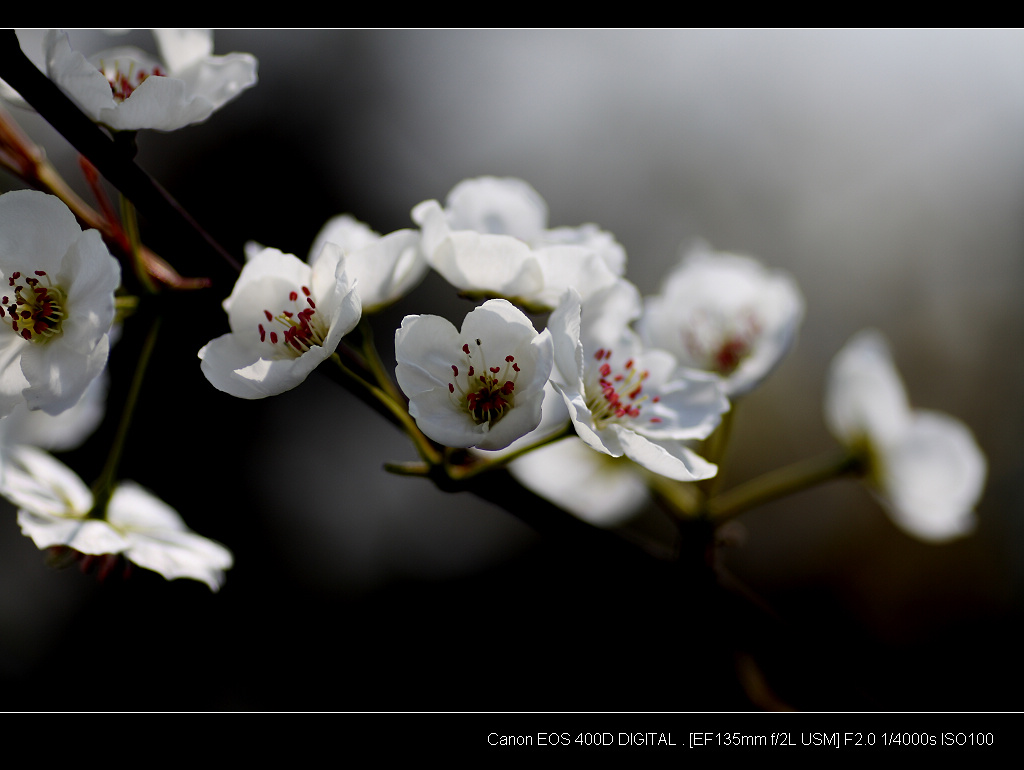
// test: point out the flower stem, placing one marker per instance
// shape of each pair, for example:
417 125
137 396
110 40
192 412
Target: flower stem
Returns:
103 487
781 482
395 410
130 222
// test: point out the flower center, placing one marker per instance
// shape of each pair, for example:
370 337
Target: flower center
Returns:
615 393
296 328
125 76
34 307
488 393
718 344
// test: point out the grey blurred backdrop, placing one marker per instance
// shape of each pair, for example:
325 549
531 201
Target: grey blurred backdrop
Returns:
883 169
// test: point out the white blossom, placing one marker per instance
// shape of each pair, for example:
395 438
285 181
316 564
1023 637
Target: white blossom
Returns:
128 89
286 318
726 314
602 490
384 267
625 399
481 386
55 507
57 288
491 239
925 467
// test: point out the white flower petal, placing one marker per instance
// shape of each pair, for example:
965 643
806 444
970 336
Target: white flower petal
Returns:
932 478
595 487
724 313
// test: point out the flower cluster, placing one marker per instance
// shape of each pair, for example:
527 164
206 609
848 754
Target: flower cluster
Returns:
592 396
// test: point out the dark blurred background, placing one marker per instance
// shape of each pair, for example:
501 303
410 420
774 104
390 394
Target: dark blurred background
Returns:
883 169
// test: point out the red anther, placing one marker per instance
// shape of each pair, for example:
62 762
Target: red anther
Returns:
495 369
599 354
508 387
40 272
515 367
629 364
268 315
455 369
656 399
26 334
465 348
293 295
305 290
273 337
635 393
451 388
311 303
470 372
655 419
15 275
605 370
510 359
263 333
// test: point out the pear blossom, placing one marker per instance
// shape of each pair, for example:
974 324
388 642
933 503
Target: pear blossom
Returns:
726 314
286 317
127 89
624 398
925 467
61 432
491 239
602 490
384 267
481 386
57 288
55 509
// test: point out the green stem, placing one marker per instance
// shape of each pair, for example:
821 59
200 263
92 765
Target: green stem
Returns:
396 410
103 487
781 482
375 364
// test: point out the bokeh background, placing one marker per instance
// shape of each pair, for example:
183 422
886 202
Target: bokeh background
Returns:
883 169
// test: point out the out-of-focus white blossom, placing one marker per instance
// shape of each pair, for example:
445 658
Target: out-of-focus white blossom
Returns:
57 288
384 267
602 490
479 387
61 432
925 467
286 318
625 399
128 89
726 314
491 239
54 507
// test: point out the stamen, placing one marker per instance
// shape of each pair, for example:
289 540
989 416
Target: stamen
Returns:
36 312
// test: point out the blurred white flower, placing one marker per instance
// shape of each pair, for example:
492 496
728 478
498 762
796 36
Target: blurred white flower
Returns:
726 314
491 238
602 490
57 288
479 387
61 432
54 506
925 467
383 267
127 89
286 318
625 399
